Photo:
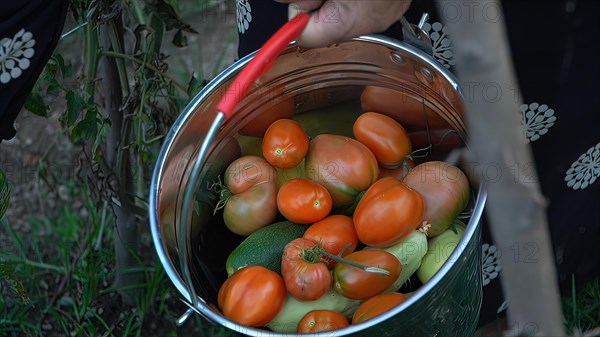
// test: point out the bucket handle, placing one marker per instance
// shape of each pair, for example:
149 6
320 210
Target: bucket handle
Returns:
262 62
415 35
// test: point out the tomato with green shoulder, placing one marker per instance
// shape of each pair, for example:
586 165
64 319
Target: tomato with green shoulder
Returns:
344 166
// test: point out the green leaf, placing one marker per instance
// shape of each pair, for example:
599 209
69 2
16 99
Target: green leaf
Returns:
195 84
48 77
5 189
179 40
100 138
158 27
74 107
87 128
56 65
174 4
8 274
35 103
64 68
168 15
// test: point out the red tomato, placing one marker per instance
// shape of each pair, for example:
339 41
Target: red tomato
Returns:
387 212
403 107
359 284
334 233
303 201
285 144
252 296
249 195
376 306
385 137
344 166
445 189
305 273
322 320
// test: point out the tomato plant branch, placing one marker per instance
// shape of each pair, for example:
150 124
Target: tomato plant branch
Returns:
348 246
147 65
117 45
92 59
426 149
223 192
340 259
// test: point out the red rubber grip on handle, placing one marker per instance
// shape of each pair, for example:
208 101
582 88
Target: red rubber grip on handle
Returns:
262 62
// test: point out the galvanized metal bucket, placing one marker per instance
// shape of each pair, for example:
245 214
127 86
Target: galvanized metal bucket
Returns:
193 244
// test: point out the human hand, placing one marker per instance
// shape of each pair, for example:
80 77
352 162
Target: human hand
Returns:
339 20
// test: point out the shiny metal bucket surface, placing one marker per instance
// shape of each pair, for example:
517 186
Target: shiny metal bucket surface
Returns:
304 80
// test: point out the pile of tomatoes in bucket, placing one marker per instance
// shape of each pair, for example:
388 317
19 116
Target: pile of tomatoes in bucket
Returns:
360 219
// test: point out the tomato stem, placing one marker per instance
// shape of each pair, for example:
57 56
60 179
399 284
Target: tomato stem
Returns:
465 215
224 194
348 246
340 259
424 227
430 146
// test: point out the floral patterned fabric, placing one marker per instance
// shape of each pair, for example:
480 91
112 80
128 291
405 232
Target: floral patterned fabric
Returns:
29 32
15 54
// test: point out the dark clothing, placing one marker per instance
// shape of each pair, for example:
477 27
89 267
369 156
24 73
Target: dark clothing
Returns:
29 32
555 45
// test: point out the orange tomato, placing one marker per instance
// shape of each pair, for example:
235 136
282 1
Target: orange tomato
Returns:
376 306
252 296
404 107
385 137
322 320
303 201
387 212
334 233
359 284
285 144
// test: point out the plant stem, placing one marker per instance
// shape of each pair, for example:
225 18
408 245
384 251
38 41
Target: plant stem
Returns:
340 259
116 41
147 65
426 149
126 241
92 58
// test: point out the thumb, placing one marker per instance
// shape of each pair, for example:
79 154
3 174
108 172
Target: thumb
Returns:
329 24
338 21
302 6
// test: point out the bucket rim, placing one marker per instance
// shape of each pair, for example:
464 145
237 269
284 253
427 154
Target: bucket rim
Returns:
203 308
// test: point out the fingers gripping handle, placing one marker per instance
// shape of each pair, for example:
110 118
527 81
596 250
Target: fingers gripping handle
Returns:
262 62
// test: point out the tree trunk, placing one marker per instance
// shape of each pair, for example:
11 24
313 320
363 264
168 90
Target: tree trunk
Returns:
126 243
515 206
